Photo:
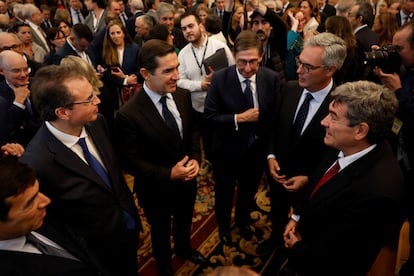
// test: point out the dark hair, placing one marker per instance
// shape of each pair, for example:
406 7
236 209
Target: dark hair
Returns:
51 33
81 31
69 24
15 178
159 31
49 94
212 23
189 13
101 3
365 10
18 24
247 40
150 51
410 38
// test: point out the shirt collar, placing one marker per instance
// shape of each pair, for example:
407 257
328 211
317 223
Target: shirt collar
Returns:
154 96
67 139
242 79
319 96
359 28
344 161
15 244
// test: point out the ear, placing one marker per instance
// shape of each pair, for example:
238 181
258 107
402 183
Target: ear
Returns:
361 132
332 70
144 73
62 113
1 72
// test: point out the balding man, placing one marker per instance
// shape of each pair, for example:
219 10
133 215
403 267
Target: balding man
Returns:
34 18
143 26
18 119
137 9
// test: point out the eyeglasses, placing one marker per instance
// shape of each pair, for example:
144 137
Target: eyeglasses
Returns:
89 100
12 47
243 62
26 70
307 67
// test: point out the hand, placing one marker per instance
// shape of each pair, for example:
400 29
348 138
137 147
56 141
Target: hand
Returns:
296 183
182 170
250 115
294 21
274 170
132 79
21 93
289 235
196 168
391 81
205 83
12 149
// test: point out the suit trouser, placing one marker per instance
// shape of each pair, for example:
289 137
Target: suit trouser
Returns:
169 207
247 171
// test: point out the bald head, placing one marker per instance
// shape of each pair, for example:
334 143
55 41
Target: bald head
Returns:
14 68
9 41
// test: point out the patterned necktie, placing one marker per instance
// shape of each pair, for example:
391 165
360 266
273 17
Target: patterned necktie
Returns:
169 119
328 175
48 249
248 94
301 116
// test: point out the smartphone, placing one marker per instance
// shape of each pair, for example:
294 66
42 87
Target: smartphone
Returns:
115 69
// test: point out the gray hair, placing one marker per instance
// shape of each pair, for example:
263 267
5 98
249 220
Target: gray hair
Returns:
28 10
334 52
368 102
164 8
137 4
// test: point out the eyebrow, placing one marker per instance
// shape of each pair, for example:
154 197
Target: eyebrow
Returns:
30 201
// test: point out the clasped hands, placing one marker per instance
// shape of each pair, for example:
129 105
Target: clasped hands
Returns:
293 184
291 236
185 169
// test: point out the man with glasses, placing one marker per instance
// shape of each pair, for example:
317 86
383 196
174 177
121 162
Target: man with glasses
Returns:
239 105
74 159
295 144
19 120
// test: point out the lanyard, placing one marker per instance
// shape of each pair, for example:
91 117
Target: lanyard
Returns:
202 59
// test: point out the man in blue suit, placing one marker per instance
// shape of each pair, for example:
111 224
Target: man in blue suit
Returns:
239 104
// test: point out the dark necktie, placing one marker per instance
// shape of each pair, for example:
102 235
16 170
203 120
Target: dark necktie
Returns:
94 163
121 17
169 119
28 106
78 15
301 116
328 175
248 94
48 249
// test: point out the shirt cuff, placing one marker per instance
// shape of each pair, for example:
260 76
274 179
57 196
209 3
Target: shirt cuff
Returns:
22 106
271 156
235 122
126 81
295 217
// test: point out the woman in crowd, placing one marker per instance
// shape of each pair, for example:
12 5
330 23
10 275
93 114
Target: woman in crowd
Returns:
294 20
340 26
232 18
120 57
30 48
385 24
202 12
310 11
65 26
56 39
63 14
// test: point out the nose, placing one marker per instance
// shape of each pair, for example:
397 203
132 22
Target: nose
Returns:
44 200
325 121
96 100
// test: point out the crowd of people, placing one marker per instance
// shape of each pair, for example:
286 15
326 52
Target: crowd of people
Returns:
316 96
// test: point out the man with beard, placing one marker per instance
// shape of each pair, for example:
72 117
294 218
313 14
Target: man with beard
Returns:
271 30
193 75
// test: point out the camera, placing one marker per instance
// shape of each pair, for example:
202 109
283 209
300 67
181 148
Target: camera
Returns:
386 58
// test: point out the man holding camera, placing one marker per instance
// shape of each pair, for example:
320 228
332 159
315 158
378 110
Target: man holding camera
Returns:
403 127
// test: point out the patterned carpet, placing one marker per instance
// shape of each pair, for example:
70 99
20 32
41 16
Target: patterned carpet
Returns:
205 237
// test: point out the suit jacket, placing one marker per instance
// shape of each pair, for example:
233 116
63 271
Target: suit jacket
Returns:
16 124
302 155
144 141
101 24
366 38
67 50
36 39
328 10
225 98
130 23
45 26
80 198
24 263
345 224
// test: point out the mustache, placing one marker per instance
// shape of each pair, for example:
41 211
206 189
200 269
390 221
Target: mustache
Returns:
260 32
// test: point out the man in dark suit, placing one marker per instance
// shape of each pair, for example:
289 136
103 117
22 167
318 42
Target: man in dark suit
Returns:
137 9
22 214
19 120
405 14
34 18
159 145
294 153
402 137
354 204
73 156
77 13
48 22
78 44
239 104
326 10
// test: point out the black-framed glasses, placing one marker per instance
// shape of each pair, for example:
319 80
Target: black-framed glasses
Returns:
306 66
243 62
89 100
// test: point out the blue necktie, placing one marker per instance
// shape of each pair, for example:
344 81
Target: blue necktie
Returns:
301 116
248 94
169 119
28 106
97 167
